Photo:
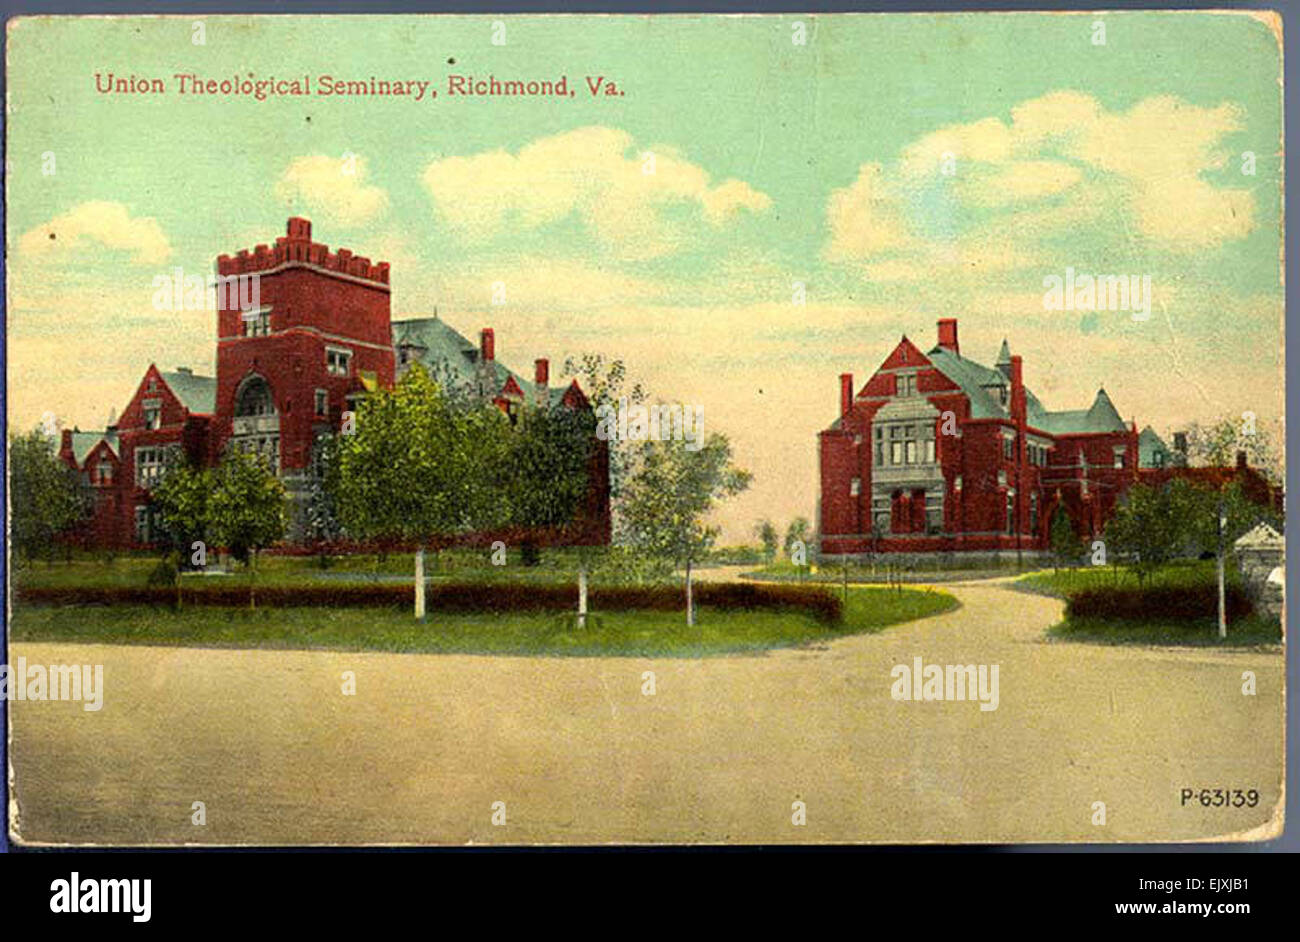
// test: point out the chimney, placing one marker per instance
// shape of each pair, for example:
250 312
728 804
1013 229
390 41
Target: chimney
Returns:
541 378
487 345
65 443
846 393
1241 460
948 334
1018 401
299 229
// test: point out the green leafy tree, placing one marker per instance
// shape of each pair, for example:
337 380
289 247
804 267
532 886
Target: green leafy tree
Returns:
322 520
47 497
669 494
1065 542
549 470
247 506
800 531
182 501
1146 528
1212 519
768 538
418 470
605 382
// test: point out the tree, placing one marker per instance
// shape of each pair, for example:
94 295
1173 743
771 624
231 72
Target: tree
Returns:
247 507
1066 545
670 492
768 537
799 530
605 383
182 500
322 518
1216 445
1214 519
47 497
418 470
1146 527
549 464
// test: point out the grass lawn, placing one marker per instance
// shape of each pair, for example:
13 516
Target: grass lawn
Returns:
1251 631
616 633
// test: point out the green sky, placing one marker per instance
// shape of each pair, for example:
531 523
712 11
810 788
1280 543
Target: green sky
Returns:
899 167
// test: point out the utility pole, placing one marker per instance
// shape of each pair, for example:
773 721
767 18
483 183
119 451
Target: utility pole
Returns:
1223 526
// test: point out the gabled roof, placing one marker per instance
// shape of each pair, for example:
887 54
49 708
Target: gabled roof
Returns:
83 443
978 381
432 342
975 381
1149 444
196 393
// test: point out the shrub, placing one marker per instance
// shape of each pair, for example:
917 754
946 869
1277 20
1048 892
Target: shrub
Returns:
461 598
1158 603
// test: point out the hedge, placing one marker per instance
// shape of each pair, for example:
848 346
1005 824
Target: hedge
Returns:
1158 603
461 598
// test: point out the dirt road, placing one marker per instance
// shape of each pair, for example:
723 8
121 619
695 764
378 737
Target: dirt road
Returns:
720 752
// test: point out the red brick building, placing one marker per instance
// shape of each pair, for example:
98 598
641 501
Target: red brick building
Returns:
938 453
319 338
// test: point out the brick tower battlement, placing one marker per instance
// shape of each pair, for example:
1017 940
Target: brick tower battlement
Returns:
297 246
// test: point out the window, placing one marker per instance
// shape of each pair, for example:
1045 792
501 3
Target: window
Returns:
911 452
1119 457
257 323
149 464
1011 511
1002 395
143 524
880 514
1158 458
855 487
152 413
905 384
933 512
1033 513
929 451
322 403
337 361
880 445
104 473
1008 447
153 384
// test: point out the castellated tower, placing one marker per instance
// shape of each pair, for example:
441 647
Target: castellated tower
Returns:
302 335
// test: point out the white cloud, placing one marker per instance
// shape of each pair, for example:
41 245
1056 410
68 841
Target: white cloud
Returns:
1063 163
333 187
622 194
109 224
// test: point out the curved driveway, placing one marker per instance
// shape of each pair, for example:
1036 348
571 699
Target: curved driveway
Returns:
720 752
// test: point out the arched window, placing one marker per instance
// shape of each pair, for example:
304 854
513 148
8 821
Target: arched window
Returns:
254 398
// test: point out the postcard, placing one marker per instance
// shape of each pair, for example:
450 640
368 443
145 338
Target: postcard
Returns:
675 429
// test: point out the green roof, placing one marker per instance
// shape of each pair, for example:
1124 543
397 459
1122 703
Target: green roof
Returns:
196 393
433 342
978 382
1149 443
83 443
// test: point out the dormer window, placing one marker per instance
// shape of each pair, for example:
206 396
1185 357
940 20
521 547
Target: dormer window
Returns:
152 413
